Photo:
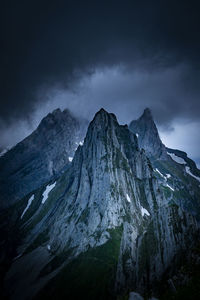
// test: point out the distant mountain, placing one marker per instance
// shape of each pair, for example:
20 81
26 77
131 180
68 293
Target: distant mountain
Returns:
171 167
40 157
117 219
148 136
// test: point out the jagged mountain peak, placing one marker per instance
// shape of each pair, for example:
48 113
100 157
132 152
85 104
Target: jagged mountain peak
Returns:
40 156
57 117
147 119
108 206
102 117
102 113
105 128
56 111
147 114
148 136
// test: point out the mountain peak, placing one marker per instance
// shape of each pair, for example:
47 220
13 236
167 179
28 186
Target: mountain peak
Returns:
102 117
44 153
56 111
110 200
102 110
148 136
147 114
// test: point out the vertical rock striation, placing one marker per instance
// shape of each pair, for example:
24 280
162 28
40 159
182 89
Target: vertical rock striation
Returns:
107 210
41 156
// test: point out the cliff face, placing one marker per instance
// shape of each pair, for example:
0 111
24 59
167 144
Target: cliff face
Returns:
40 157
109 224
173 169
148 137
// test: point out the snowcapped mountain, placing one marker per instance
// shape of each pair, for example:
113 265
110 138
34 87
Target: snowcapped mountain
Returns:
118 218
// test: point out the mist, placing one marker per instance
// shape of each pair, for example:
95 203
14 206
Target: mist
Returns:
125 93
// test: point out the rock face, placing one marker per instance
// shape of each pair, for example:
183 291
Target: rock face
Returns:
41 156
135 296
148 137
109 225
177 173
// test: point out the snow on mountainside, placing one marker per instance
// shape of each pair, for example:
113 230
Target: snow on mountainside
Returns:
110 218
148 136
177 158
169 161
117 219
188 171
41 156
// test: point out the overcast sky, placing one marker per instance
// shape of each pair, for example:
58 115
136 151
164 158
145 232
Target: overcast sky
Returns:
84 55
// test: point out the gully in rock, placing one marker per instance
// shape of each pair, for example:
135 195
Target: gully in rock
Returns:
118 218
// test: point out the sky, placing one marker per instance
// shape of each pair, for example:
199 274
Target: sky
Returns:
84 55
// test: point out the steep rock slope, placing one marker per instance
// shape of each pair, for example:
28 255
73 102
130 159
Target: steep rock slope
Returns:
107 226
148 136
40 156
176 172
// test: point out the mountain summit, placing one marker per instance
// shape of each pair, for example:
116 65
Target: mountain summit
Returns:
148 136
108 224
41 156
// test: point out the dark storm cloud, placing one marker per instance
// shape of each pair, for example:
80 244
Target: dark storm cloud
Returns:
127 92
54 43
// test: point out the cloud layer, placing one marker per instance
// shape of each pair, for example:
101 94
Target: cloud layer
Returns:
122 55
48 43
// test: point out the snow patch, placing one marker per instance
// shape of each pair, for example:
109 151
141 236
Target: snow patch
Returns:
70 158
144 211
45 194
171 188
177 159
48 247
165 177
160 173
187 169
137 135
28 205
81 143
128 198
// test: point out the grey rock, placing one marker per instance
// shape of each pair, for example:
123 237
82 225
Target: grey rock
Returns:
168 169
109 186
148 136
40 157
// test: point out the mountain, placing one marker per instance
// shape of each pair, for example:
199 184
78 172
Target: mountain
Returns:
147 134
3 151
41 156
172 167
109 224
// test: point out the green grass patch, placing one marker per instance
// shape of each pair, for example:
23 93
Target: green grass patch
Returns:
89 276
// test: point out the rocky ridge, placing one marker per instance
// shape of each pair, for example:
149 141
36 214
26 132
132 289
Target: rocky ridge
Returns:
148 136
111 209
41 156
